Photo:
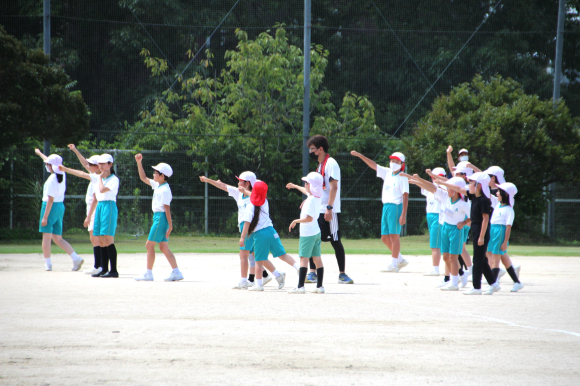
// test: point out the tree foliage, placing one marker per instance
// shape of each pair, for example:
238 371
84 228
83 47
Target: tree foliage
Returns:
535 141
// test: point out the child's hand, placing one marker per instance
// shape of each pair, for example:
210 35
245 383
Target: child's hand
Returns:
355 153
86 222
242 242
402 219
168 232
449 149
428 171
139 157
290 186
37 151
504 246
480 241
203 178
44 222
292 225
460 225
72 147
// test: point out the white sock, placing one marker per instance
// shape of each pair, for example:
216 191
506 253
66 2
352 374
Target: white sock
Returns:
296 266
400 258
149 272
243 280
48 261
495 284
276 273
436 269
454 280
259 281
395 261
74 256
176 270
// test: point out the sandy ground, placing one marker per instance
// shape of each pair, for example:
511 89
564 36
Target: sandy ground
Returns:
66 328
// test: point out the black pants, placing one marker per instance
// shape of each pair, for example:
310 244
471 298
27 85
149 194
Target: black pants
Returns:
480 263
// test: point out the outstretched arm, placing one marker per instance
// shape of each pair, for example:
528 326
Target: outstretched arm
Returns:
435 176
371 164
142 175
424 184
453 187
218 184
475 168
450 161
301 189
74 172
39 153
82 159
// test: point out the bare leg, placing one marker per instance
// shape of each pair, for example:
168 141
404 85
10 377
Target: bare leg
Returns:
287 259
506 261
265 264
436 256
453 265
304 262
396 243
386 239
150 245
244 263
317 261
466 257
260 268
94 240
58 240
164 248
46 244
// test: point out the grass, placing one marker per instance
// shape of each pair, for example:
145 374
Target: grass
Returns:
411 245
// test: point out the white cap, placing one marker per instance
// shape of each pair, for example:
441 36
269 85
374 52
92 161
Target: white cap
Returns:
483 179
463 151
497 172
510 189
56 161
315 180
439 172
398 156
94 160
457 181
164 169
249 177
463 168
105 158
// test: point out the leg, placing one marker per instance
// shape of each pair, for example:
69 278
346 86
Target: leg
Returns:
164 248
260 266
319 271
244 263
436 257
386 239
46 244
466 257
340 255
58 240
150 246
453 265
287 259
396 243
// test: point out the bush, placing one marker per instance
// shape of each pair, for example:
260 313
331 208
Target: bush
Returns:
20 234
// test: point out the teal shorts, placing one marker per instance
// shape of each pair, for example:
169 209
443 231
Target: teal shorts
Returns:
105 219
465 230
249 246
451 239
434 230
390 221
496 239
266 240
54 221
159 228
309 246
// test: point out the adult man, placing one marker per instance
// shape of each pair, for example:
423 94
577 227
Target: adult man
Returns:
329 219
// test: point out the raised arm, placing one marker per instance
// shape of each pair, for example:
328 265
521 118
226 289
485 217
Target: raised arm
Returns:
218 184
424 184
371 164
453 187
39 153
301 189
475 168
450 161
142 175
77 173
435 176
82 159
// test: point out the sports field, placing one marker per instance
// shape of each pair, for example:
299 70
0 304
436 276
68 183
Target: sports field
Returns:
66 328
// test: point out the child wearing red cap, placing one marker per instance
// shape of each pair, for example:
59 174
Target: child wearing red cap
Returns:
257 221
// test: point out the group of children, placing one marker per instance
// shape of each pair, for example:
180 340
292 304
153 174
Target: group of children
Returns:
470 200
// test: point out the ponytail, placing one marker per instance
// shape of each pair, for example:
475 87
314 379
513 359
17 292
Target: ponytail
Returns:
59 177
257 210
505 197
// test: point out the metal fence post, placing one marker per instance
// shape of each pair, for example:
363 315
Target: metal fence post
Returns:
206 197
306 102
11 191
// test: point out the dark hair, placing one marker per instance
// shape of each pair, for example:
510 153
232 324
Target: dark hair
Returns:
257 210
164 176
59 177
505 198
319 141
112 169
494 177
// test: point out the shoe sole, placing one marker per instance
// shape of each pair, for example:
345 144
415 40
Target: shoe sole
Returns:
346 282
175 280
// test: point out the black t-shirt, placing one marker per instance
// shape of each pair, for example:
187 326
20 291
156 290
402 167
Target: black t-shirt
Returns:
479 206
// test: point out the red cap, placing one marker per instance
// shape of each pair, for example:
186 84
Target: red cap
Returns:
259 192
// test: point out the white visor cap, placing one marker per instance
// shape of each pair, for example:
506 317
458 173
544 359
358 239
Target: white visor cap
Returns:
463 168
497 172
483 179
439 172
56 162
510 189
105 158
164 169
249 177
315 180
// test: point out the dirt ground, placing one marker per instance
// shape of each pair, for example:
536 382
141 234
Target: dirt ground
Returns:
66 328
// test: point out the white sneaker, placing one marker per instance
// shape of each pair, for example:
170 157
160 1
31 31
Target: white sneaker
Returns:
174 277
473 291
517 268
47 267
145 277
402 264
281 280
93 271
318 290
464 280
243 284
492 289
431 273
266 280
77 264
250 284
391 268
517 287
470 278
256 288
300 290
442 284
500 275
450 287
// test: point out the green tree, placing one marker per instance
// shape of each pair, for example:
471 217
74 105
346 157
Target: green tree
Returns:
535 141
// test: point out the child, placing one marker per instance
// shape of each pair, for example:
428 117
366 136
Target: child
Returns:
162 223
395 199
52 212
309 246
246 180
257 221
104 207
502 220
92 166
433 214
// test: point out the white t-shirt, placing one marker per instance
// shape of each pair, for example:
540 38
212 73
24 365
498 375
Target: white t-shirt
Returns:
394 186
111 182
264 220
453 212
502 215
54 189
433 205
89 195
310 207
241 200
331 170
161 196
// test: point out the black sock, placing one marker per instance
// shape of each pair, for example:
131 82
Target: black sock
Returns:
311 264
105 259
446 279
461 272
251 278
302 276
264 274
320 276
512 272
461 262
97 252
113 257
340 255
495 272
